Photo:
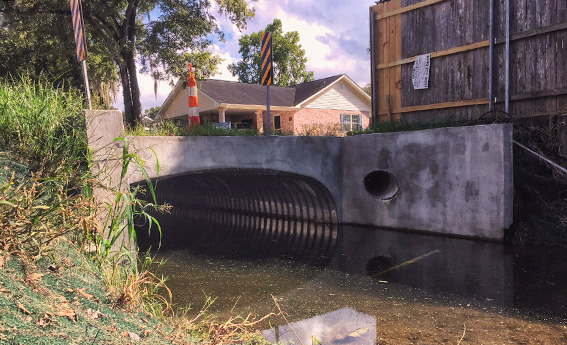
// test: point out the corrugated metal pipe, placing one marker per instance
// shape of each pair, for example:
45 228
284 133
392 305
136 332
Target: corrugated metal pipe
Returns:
271 212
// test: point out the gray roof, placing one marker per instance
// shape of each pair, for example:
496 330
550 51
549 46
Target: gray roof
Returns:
231 92
306 90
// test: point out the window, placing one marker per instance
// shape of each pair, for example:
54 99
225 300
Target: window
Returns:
351 122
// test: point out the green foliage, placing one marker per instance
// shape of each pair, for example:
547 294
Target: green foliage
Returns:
169 128
42 126
152 112
118 34
37 39
125 208
211 129
402 126
288 57
40 199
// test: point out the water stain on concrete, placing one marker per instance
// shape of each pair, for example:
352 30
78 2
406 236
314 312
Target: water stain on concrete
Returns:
471 191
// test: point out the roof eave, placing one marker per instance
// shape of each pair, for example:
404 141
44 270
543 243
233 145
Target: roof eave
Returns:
257 107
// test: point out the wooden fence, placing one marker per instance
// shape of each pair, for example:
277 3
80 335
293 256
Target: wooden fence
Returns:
457 35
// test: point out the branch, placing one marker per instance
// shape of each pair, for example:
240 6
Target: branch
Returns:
129 16
112 47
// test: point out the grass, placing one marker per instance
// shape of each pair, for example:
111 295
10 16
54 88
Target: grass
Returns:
60 282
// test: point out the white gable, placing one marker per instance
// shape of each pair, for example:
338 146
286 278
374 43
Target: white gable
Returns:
180 104
341 97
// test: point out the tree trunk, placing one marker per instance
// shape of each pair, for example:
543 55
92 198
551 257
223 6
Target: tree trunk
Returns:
127 95
134 116
134 89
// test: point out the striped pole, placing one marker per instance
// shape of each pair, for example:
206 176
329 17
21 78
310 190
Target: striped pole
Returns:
193 98
80 42
78 28
267 73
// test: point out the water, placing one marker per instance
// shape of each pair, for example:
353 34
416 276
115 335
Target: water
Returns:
375 287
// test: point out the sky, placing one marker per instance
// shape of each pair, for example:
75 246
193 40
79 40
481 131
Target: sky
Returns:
333 33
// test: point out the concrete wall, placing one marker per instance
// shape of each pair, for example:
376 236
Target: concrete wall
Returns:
102 128
315 157
451 180
454 181
562 128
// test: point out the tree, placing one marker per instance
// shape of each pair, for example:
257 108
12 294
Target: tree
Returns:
181 33
288 57
368 89
152 112
32 47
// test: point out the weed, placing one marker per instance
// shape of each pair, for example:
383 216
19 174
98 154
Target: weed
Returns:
325 130
169 128
43 127
403 125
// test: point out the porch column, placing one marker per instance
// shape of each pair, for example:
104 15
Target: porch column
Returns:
258 121
222 117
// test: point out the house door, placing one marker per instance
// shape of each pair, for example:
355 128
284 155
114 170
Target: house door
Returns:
277 124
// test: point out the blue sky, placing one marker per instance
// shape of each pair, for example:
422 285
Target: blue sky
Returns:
333 33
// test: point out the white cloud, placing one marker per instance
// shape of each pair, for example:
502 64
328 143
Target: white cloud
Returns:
223 72
333 33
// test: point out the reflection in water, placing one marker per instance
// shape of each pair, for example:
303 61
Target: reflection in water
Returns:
467 268
346 284
343 326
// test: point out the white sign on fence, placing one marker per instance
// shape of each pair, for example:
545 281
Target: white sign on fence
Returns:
420 74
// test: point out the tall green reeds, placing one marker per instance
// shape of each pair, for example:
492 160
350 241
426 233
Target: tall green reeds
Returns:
42 126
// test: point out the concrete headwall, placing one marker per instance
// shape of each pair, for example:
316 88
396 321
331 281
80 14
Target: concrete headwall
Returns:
454 181
102 128
316 157
450 180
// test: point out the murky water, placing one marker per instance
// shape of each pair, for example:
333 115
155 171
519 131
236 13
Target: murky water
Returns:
377 287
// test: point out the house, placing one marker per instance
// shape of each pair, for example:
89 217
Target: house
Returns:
334 104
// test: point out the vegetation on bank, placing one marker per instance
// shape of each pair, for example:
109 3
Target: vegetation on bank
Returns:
169 128
405 126
59 280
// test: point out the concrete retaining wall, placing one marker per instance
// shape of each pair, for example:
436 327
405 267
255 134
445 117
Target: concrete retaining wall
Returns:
316 157
454 181
451 180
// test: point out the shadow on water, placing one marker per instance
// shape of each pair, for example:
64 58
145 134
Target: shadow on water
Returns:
243 236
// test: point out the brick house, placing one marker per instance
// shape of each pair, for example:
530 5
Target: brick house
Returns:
330 105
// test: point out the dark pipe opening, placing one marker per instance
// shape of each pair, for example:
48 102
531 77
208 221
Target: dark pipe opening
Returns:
381 184
265 212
